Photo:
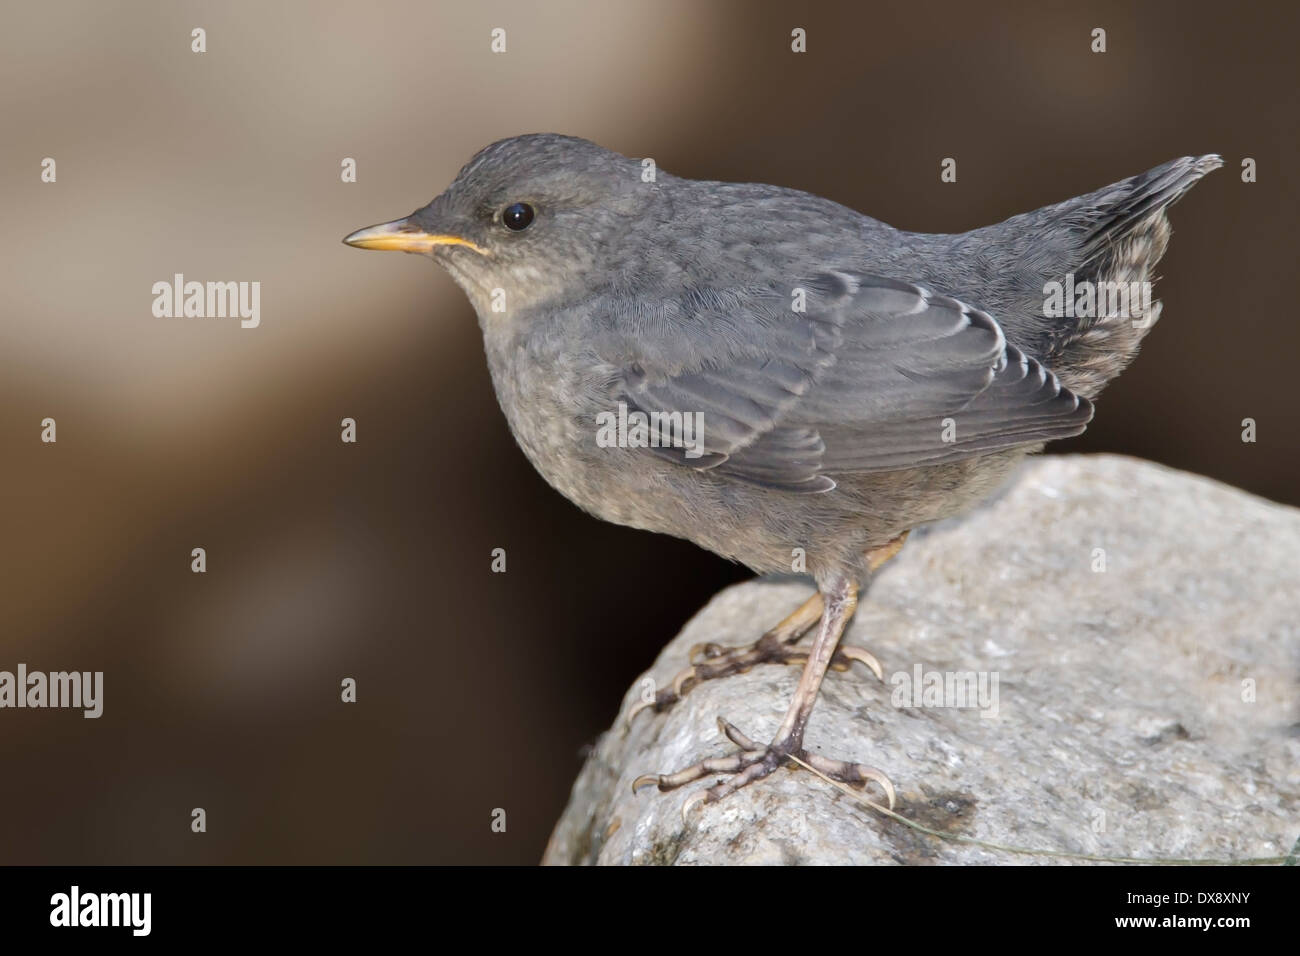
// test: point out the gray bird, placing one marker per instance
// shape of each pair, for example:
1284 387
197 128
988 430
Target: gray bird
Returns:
773 376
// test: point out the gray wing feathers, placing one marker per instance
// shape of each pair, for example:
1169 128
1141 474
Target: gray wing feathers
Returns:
877 375
904 353
1024 404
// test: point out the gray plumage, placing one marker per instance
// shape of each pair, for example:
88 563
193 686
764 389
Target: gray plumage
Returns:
824 428
853 381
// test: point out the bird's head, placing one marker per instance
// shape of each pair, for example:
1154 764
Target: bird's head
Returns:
526 219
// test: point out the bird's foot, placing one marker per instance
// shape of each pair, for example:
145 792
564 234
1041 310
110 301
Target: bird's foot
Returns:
754 762
777 646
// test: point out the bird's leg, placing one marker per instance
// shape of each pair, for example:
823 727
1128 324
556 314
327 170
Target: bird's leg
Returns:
878 556
777 646
789 631
774 647
754 762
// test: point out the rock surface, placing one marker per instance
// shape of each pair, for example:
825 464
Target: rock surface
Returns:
1149 709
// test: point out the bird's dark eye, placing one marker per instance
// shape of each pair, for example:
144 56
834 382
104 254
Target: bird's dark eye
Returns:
517 216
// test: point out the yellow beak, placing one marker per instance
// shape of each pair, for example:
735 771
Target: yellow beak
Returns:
403 236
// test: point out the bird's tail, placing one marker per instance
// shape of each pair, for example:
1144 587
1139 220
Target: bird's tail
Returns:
1116 237
1083 289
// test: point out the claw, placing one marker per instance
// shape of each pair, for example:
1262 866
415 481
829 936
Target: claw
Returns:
870 774
639 706
644 781
864 657
854 774
693 801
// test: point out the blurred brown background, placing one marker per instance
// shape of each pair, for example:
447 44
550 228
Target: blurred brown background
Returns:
478 690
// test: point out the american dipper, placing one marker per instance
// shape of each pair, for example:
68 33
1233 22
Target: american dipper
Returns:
777 377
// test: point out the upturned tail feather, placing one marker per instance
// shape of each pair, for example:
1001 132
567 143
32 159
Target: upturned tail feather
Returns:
1122 232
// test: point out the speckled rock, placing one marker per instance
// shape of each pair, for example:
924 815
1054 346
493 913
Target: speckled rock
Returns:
1137 631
